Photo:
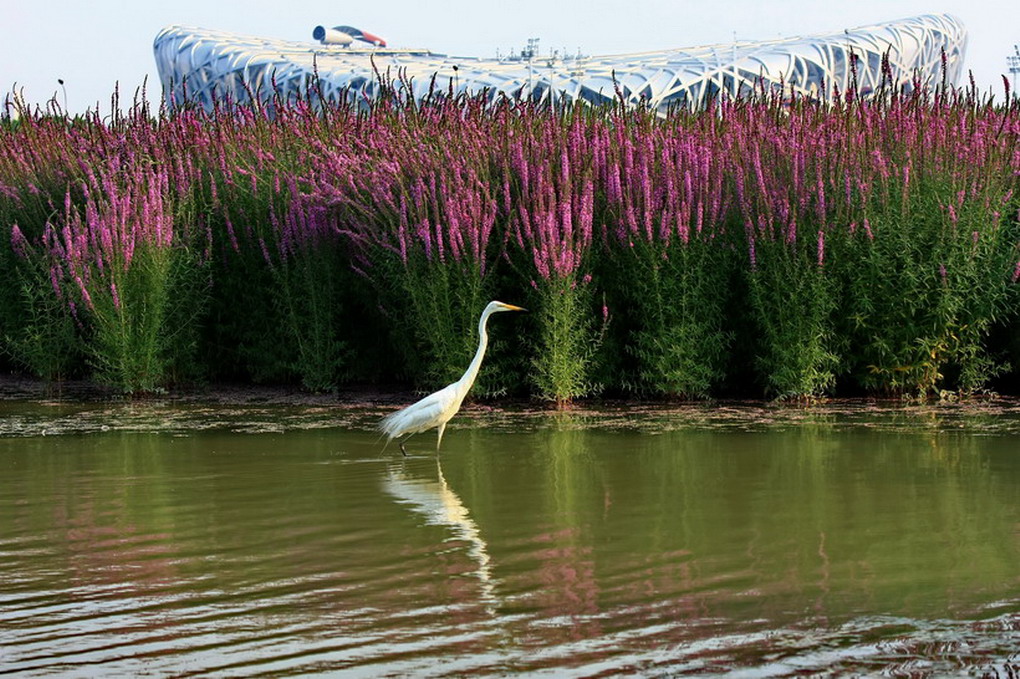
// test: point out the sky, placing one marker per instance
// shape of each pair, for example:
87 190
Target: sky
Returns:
95 45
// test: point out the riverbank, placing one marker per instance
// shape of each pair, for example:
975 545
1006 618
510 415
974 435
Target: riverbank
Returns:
245 407
763 248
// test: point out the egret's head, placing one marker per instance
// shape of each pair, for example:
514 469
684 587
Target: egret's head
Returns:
501 306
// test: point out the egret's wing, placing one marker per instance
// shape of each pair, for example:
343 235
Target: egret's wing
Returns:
417 417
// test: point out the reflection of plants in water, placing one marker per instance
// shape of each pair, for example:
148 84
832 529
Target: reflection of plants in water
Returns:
568 569
792 513
516 546
865 509
546 508
572 468
84 499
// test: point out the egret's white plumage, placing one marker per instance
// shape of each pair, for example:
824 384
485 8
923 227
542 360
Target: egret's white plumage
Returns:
436 409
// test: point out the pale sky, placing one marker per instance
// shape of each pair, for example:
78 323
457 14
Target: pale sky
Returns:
93 44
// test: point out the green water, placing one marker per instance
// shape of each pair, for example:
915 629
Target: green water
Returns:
165 539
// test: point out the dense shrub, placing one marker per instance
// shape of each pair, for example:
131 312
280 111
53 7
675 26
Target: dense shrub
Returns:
867 244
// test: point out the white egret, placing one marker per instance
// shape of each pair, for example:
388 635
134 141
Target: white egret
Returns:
436 409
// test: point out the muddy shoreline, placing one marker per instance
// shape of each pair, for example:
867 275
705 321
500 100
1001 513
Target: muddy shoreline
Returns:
385 397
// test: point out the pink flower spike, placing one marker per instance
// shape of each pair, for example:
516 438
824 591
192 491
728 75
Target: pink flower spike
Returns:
55 282
19 242
84 292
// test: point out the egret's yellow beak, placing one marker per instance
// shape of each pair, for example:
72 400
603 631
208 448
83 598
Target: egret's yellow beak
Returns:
511 307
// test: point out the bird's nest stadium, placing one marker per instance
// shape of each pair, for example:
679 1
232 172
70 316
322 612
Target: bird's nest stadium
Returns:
200 66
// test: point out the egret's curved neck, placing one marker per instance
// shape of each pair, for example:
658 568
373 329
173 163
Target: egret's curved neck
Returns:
476 363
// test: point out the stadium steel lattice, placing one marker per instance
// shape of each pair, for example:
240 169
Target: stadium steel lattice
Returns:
203 66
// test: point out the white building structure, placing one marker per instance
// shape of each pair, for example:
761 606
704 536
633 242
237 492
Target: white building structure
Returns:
202 66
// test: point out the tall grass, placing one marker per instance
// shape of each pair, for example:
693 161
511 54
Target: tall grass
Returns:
772 246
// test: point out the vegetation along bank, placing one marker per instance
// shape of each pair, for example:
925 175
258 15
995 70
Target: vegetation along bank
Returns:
763 247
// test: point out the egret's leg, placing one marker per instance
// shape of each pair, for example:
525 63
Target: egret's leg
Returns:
440 439
402 448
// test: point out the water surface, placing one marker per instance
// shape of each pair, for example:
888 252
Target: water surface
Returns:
222 541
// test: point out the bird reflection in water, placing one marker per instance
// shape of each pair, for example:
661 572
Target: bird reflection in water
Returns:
441 506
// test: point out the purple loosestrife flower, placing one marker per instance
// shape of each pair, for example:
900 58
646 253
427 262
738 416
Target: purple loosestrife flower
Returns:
265 251
614 190
402 238
520 167
647 207
440 250
424 233
865 191
684 218
820 206
742 198
231 234
523 232
56 273
587 209
84 292
507 199
759 174
454 236
19 242
880 164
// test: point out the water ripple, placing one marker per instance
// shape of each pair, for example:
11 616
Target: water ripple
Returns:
256 541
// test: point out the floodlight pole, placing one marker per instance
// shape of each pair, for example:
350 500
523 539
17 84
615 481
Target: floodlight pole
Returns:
1014 65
